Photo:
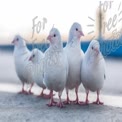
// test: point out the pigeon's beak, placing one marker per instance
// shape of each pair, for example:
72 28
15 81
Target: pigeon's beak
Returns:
30 58
49 38
81 33
96 50
13 42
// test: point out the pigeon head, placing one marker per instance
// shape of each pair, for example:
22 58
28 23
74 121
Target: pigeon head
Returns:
18 41
54 36
34 56
94 47
75 31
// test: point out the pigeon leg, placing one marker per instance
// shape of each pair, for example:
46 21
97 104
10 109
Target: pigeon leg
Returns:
23 91
41 94
30 92
87 94
98 102
67 100
48 96
60 104
52 102
77 99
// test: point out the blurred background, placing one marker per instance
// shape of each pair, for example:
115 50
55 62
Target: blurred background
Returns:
101 20
19 17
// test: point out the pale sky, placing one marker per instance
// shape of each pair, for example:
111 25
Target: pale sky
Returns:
16 16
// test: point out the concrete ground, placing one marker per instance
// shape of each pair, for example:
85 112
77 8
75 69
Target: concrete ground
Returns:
28 108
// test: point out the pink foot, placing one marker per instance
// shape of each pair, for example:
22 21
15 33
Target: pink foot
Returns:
86 102
60 105
38 96
77 102
77 98
41 94
53 103
67 102
23 92
30 92
47 96
98 102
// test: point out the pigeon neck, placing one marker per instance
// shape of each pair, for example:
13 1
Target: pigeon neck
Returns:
20 47
20 50
38 59
75 42
58 46
93 57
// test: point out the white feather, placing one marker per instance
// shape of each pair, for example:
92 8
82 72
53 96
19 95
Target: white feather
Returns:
55 65
21 58
75 55
93 68
37 58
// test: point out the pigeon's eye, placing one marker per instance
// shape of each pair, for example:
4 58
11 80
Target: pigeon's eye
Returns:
54 35
92 47
33 56
17 39
76 29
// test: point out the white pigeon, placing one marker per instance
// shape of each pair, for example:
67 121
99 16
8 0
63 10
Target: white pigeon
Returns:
93 70
37 72
22 65
55 66
74 55
37 58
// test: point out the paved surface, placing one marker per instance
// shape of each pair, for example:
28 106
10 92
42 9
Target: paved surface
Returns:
27 108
